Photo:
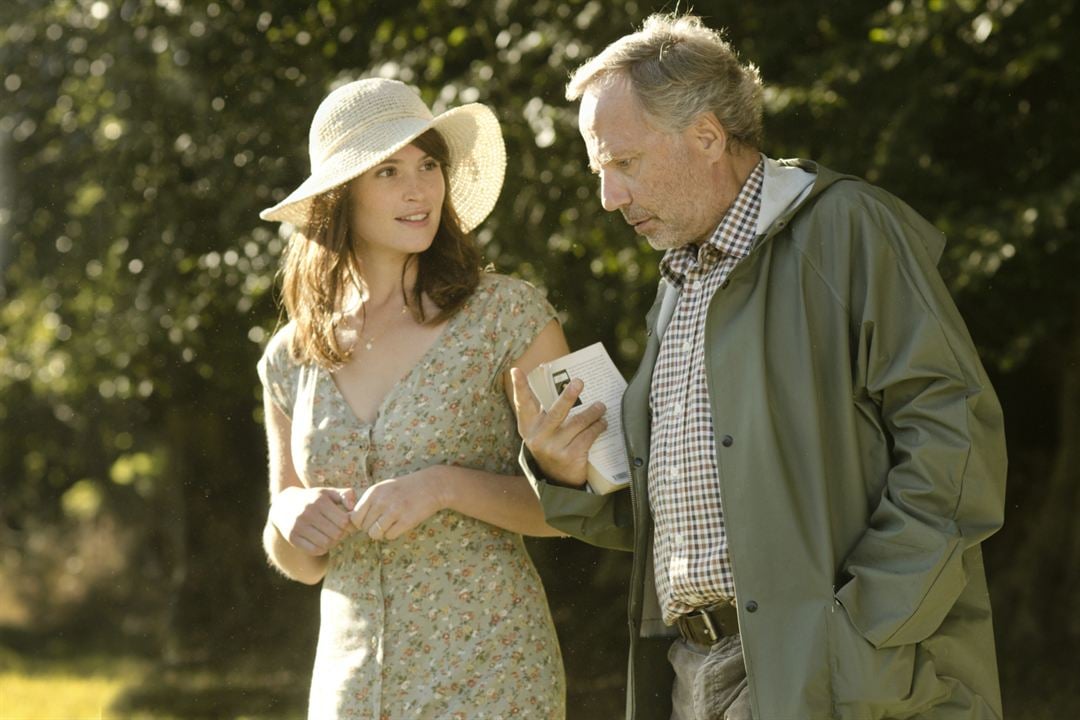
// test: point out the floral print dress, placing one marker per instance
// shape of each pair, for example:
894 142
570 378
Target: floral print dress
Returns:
450 620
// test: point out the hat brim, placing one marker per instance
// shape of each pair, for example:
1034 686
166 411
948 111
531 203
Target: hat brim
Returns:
476 173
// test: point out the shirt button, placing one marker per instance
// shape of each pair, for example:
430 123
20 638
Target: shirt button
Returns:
687 346
728 441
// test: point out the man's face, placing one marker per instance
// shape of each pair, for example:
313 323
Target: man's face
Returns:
654 178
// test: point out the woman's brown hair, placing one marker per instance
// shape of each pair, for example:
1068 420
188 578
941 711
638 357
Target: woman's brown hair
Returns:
320 267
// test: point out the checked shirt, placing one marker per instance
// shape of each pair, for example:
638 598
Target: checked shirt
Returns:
690 544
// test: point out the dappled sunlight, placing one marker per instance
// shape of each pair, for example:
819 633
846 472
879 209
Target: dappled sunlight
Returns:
139 140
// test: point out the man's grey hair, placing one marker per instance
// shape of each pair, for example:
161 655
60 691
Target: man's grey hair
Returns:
678 69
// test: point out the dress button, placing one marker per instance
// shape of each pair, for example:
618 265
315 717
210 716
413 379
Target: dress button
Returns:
728 441
638 462
751 606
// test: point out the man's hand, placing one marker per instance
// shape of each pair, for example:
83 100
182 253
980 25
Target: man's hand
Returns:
390 508
559 443
313 520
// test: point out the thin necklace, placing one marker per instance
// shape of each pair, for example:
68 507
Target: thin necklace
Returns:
369 343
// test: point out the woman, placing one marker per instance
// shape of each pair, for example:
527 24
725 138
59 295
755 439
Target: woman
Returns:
392 442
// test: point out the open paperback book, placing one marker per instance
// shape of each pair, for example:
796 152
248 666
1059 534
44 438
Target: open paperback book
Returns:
608 469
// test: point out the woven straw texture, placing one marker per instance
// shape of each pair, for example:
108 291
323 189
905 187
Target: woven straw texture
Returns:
364 122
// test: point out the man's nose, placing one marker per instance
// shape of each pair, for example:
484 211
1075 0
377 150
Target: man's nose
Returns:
613 193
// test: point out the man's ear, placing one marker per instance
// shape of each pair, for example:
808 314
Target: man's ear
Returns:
708 136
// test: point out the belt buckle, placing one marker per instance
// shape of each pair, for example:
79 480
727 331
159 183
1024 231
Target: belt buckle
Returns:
710 628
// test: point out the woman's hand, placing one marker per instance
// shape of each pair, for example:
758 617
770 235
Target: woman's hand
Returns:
390 508
313 520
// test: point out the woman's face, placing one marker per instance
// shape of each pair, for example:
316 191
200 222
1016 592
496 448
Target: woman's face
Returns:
394 208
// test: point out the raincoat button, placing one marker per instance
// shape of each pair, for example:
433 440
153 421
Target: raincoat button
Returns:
638 462
727 441
724 285
751 606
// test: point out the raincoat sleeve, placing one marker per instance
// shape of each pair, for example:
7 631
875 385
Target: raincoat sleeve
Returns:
602 520
921 380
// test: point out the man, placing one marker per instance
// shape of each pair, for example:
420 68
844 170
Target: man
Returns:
816 451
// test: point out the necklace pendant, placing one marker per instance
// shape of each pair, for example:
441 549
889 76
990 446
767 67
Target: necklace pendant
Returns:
368 345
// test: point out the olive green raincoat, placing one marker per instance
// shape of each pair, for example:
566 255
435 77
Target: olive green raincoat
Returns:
861 461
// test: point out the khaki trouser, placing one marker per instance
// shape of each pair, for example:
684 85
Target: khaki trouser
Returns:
710 682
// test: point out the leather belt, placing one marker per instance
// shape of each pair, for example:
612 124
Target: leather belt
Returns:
707 625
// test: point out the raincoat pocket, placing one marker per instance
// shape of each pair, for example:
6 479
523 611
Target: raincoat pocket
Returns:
870 683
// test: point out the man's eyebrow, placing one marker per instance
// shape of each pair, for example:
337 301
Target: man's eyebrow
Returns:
601 159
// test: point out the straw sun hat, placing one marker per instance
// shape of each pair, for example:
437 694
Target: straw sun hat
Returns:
364 122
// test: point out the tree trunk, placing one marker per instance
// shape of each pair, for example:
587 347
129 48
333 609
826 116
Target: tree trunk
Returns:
1036 585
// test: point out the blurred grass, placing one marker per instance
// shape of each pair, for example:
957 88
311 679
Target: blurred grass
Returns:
102 687
51 689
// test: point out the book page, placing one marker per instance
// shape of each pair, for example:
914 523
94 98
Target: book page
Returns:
603 383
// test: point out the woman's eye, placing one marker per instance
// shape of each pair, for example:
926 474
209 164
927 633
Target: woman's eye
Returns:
385 172
431 165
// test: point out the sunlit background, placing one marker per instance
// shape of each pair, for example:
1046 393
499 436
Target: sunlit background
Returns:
139 139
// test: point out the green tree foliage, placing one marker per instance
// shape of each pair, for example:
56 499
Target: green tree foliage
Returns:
139 139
